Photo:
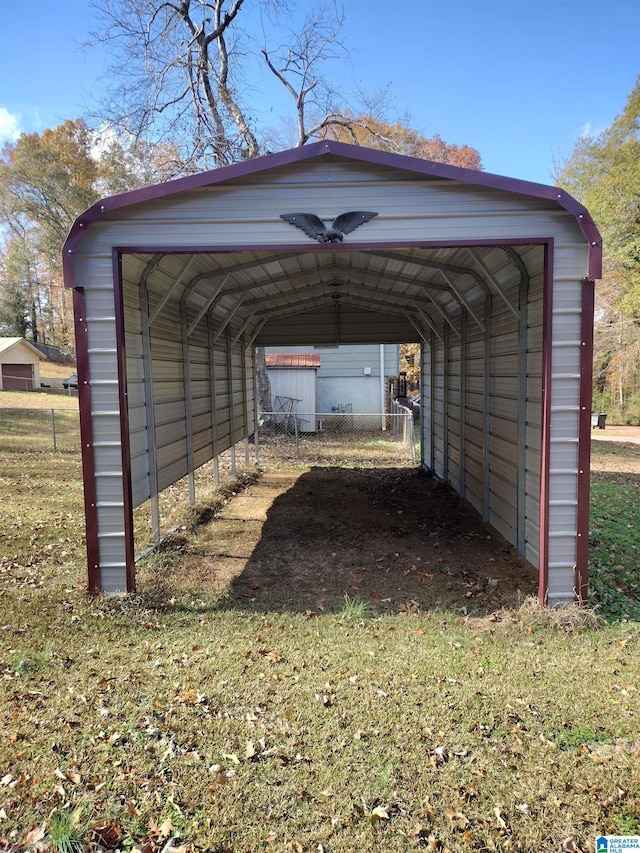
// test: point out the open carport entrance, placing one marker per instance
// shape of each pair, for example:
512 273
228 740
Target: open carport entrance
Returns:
490 274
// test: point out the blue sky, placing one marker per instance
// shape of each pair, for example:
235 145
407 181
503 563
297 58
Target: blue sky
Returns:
520 80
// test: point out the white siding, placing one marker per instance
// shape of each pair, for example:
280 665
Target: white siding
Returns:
299 384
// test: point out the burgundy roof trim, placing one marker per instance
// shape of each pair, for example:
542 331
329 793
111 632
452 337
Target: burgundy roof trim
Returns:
231 248
352 152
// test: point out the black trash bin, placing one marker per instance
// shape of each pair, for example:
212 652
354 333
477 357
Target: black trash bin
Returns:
601 420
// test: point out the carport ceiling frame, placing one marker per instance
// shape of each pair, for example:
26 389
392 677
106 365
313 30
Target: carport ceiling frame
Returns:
408 296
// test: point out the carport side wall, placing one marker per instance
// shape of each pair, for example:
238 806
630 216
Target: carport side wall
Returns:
498 498
99 398
474 427
215 427
569 404
107 485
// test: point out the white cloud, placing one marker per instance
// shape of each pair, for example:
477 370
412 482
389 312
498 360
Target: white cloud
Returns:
9 126
588 131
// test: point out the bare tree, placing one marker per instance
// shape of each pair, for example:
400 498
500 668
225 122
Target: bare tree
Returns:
297 64
180 68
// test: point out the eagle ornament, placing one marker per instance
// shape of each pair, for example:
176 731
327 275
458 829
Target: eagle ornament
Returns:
314 227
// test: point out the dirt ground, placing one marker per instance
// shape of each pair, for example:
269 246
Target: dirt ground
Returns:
390 537
630 434
301 539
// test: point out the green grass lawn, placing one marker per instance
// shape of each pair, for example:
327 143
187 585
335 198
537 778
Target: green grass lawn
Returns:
614 563
615 548
133 722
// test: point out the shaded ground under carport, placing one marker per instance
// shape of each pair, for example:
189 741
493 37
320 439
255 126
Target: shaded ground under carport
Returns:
391 537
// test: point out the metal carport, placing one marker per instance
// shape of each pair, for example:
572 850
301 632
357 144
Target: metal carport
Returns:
175 285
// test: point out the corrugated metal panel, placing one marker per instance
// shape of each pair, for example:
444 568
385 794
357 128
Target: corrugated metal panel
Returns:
438 418
169 394
411 212
425 404
95 275
534 409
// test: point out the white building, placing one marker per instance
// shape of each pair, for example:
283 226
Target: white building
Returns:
19 365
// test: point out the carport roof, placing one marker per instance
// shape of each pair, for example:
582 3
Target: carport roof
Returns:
426 168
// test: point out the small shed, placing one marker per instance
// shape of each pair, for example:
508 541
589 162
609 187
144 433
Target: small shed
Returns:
19 365
293 378
175 285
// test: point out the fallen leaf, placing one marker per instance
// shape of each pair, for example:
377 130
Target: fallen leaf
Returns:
190 697
378 814
165 829
107 833
457 820
501 822
34 835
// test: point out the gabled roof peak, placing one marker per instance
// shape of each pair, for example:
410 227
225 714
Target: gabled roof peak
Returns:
328 149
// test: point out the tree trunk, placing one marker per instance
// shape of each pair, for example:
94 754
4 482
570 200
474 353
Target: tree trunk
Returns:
264 385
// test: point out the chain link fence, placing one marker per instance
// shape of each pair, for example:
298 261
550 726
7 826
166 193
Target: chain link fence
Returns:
40 429
337 438
318 437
